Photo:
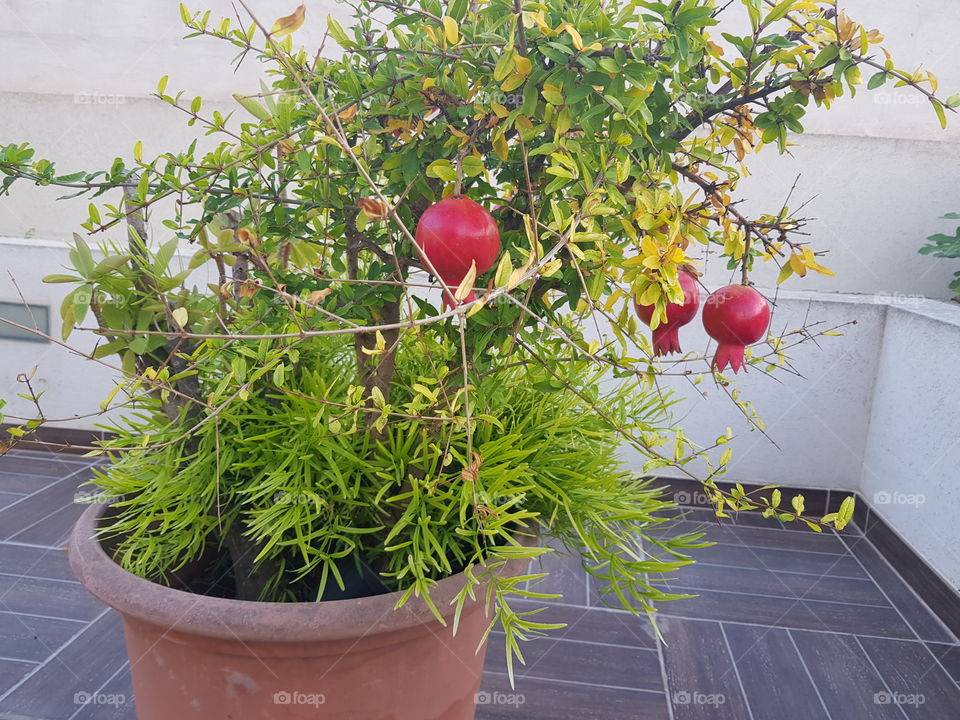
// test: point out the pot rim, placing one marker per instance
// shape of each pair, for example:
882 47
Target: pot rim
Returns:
231 619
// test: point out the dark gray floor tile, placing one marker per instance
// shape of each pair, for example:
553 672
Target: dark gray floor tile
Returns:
772 673
847 681
31 638
57 690
549 700
36 562
787 613
7 498
921 619
949 657
917 683
12 672
764 582
784 560
768 538
49 466
701 679
566 577
593 625
29 511
55 598
53 530
23 484
571 661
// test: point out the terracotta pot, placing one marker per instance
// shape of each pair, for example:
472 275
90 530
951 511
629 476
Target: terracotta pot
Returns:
194 657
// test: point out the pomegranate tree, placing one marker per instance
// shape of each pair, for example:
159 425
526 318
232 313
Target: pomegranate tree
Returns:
454 235
735 316
666 337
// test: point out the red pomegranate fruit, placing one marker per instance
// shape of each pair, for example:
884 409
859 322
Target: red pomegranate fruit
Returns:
666 337
455 233
735 316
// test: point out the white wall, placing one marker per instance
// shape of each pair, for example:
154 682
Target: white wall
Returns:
910 469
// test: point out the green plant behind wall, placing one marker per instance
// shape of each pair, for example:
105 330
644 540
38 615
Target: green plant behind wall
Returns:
946 246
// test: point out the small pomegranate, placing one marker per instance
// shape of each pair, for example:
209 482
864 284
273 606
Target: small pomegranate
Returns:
455 233
666 338
735 316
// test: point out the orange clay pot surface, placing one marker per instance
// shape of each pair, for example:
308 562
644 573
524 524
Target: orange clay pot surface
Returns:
195 657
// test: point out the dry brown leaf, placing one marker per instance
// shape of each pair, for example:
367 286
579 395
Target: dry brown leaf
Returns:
290 23
373 208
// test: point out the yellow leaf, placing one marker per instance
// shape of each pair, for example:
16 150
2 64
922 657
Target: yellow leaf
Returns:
524 66
513 81
290 23
181 316
499 110
466 285
796 262
500 146
503 270
574 35
450 29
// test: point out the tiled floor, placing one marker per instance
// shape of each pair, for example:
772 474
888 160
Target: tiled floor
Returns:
788 625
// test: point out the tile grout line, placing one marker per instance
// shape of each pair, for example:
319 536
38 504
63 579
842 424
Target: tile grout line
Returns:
736 670
55 653
32 546
661 656
767 547
550 638
886 685
24 576
806 669
577 683
4 658
781 572
18 614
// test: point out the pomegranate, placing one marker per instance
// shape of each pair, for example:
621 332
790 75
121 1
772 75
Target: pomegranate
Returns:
666 338
735 316
455 233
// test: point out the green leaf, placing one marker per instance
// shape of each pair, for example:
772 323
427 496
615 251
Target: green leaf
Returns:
252 106
877 80
941 114
442 169
81 257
